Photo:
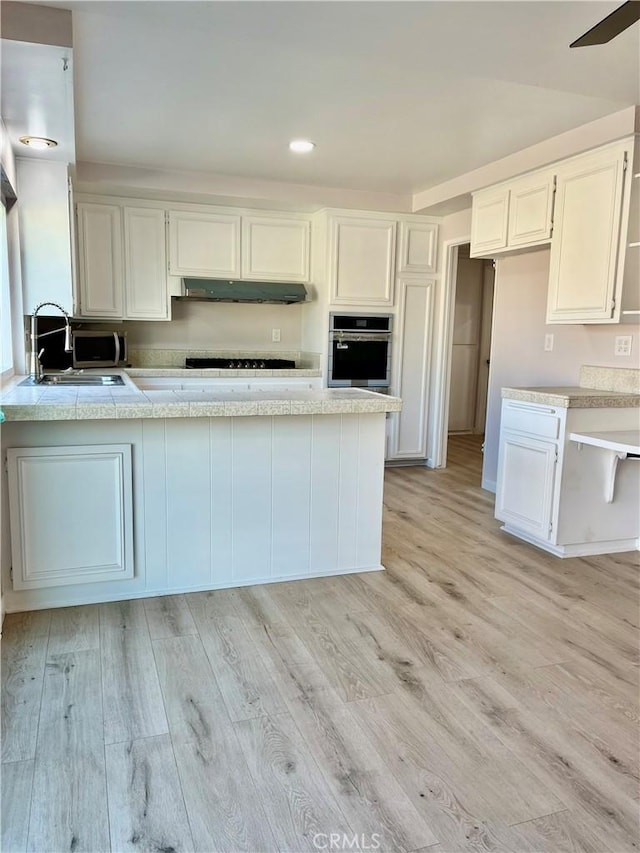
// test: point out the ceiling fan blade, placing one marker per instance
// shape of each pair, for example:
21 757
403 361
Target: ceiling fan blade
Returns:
611 26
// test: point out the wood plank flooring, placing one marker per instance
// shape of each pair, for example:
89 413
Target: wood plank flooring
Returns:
479 695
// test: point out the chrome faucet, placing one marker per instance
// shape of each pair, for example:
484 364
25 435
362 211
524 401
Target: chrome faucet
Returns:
35 365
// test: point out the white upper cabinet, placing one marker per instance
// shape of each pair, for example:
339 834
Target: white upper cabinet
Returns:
362 260
512 216
122 262
204 244
585 267
581 207
100 260
418 247
530 210
489 216
630 302
145 252
275 249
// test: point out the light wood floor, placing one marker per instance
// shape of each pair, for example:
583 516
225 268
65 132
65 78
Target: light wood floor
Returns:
478 695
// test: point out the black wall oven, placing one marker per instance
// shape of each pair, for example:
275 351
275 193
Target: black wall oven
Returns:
360 351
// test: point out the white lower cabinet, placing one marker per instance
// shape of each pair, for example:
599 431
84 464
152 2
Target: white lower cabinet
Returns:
71 514
553 493
408 429
525 487
217 502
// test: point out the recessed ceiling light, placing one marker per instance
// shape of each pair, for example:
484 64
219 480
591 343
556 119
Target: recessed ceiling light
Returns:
38 142
301 146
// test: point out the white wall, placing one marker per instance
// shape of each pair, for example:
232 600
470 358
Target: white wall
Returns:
454 195
220 326
45 233
517 349
13 267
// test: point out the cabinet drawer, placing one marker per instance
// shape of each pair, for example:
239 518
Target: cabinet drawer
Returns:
534 420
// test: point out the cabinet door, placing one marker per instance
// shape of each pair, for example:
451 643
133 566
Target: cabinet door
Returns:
71 514
362 261
275 249
145 252
100 261
418 247
408 437
584 249
489 213
525 485
204 244
531 210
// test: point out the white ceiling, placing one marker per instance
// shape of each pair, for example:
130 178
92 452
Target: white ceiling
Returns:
37 97
398 96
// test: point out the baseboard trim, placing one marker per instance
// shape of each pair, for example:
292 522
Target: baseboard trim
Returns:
15 605
403 463
489 485
585 549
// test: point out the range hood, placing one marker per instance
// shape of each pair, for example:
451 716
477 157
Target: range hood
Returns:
223 290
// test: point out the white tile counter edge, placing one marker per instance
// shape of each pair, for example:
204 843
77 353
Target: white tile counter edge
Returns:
44 403
573 397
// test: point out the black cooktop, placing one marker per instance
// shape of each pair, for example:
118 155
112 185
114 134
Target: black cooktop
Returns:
241 363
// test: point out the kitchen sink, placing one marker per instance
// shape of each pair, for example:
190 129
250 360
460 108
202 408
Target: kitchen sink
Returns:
57 379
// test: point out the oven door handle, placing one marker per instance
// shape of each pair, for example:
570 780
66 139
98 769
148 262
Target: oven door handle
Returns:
385 337
341 346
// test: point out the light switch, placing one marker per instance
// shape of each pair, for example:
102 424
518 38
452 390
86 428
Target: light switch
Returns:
275 335
548 343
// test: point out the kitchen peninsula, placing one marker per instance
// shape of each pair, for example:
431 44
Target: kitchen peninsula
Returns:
560 486
118 492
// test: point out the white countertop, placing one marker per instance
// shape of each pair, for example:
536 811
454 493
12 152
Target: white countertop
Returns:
572 397
44 403
620 441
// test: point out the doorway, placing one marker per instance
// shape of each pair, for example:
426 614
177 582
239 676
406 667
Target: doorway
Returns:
472 288
471 343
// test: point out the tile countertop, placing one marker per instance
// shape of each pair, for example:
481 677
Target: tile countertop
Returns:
219 372
569 397
46 403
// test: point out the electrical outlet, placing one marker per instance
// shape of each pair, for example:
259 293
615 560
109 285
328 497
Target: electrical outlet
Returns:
275 335
623 345
548 343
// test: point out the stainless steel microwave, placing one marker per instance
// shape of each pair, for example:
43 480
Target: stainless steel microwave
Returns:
99 349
